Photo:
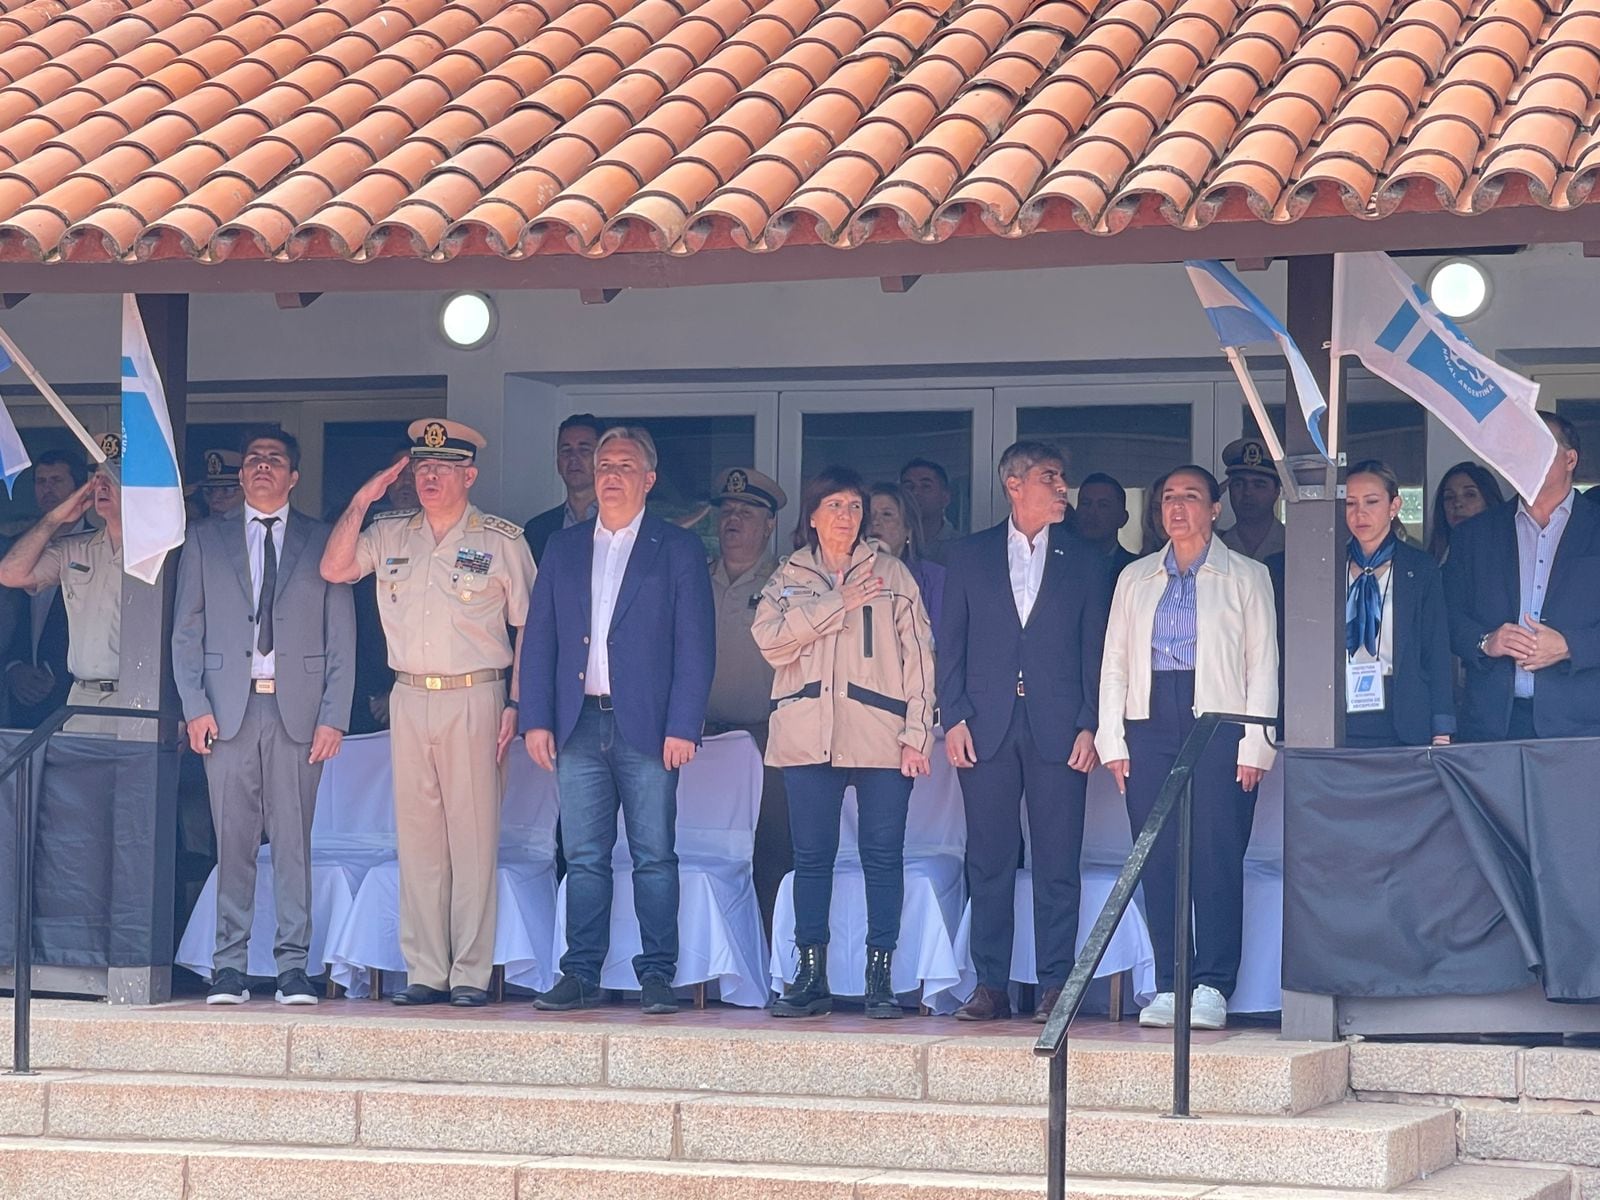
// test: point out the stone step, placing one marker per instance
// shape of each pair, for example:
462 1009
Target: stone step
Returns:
56 1169
1246 1073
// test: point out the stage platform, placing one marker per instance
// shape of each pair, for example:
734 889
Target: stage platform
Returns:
354 1099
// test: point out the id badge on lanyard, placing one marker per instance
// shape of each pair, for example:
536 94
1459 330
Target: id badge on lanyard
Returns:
1363 687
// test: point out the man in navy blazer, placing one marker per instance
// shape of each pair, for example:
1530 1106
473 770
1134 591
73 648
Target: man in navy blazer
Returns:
616 672
1020 639
1521 582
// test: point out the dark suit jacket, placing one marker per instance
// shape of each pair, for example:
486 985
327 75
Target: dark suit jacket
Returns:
983 648
1483 592
539 529
662 644
1422 691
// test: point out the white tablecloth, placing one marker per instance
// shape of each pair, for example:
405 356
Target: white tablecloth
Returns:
720 939
926 958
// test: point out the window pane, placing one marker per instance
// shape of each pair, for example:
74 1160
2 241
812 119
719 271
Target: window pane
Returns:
878 444
1134 444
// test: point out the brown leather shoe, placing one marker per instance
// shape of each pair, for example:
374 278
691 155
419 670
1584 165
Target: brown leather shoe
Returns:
1041 1014
987 1004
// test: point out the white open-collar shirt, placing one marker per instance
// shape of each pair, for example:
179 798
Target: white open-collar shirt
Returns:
611 553
1026 563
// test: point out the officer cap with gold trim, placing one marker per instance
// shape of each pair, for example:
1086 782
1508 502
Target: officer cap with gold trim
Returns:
750 486
441 440
1248 456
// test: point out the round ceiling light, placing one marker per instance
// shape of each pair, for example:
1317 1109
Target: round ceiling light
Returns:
1459 288
467 320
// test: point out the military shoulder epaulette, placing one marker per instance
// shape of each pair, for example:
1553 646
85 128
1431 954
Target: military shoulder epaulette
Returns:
502 526
394 514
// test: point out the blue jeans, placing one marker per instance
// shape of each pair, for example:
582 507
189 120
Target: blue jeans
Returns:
596 771
816 796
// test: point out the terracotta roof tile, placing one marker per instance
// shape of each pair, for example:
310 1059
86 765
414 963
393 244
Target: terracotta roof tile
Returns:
133 129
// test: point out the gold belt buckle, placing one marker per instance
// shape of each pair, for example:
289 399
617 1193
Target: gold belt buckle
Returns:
433 683
266 687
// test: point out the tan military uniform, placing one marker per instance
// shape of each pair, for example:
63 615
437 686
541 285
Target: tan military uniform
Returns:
741 691
89 573
445 606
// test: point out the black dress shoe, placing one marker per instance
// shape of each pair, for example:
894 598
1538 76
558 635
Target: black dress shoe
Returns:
569 993
655 996
468 997
987 1004
418 994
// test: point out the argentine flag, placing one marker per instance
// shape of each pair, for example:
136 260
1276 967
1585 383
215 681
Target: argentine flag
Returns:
1388 322
152 494
1240 319
14 458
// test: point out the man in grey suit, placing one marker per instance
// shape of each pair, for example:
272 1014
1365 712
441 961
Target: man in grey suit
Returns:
264 654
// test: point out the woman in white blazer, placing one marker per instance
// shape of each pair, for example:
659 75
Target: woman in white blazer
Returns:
1193 629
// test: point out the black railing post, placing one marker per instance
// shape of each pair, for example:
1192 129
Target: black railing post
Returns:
1057 1177
22 957
1182 986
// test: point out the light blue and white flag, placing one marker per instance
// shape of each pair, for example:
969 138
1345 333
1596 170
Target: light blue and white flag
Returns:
1240 319
14 458
1382 317
152 492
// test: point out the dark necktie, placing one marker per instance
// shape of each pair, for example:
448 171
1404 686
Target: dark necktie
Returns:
269 584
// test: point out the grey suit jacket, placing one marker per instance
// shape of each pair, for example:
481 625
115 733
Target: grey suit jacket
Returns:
213 628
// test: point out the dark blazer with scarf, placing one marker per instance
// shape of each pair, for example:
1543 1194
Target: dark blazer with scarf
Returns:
1483 592
1422 689
984 648
662 645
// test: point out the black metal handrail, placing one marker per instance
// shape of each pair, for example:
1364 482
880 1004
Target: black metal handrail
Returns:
1176 793
20 763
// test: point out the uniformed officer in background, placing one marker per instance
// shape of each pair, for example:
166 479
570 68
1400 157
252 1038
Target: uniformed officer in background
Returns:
220 489
88 568
450 579
741 691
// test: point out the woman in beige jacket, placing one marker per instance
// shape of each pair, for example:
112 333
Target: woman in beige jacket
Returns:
845 627
1193 629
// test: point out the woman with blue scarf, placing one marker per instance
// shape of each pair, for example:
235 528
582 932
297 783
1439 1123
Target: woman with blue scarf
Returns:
1398 676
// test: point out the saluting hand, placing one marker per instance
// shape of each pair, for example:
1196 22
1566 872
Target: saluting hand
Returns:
74 506
373 489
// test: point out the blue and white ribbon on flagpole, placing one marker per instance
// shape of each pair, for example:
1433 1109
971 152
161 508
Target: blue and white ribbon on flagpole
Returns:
1240 319
1382 317
152 491
14 458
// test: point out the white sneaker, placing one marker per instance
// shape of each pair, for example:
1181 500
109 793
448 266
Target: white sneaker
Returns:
1209 1009
1158 1013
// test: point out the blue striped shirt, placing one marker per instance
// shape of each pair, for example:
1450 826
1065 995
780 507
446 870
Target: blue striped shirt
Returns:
1176 630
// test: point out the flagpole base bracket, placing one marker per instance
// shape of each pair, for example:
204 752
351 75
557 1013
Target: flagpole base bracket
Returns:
1315 478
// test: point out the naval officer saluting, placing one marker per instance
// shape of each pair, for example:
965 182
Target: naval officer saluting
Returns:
451 578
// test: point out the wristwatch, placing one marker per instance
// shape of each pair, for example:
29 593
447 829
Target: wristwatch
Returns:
510 703
1483 644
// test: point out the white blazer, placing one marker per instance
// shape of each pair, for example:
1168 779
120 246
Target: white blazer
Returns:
1236 659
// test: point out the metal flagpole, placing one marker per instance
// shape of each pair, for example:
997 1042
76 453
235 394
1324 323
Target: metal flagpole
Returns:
1241 371
49 393
1335 375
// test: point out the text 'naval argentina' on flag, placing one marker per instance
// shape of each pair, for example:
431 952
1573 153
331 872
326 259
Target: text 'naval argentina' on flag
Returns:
13 456
152 492
1383 318
1240 319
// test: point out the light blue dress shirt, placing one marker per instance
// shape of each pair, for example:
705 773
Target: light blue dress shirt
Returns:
1536 550
1176 631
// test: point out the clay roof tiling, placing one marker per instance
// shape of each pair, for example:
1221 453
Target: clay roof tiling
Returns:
213 130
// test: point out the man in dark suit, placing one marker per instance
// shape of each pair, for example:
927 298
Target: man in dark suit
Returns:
36 672
1101 514
263 655
620 654
1521 582
575 442
1020 639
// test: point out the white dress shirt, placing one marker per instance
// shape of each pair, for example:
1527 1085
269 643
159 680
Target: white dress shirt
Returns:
262 665
1027 566
611 551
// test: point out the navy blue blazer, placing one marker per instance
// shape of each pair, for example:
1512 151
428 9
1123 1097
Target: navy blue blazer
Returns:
1483 591
662 643
984 648
1422 692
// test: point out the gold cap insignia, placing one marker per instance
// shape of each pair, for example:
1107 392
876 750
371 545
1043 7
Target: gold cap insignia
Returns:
1252 454
433 435
111 446
213 463
737 482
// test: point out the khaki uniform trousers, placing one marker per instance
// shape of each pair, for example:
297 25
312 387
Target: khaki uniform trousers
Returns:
93 726
447 792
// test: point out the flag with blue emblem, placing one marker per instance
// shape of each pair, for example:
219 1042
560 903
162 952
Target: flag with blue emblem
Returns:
13 457
1240 319
1383 318
152 492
